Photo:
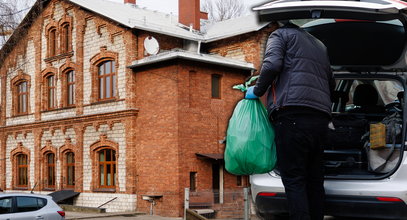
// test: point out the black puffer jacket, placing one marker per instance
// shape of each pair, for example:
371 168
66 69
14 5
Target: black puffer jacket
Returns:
296 70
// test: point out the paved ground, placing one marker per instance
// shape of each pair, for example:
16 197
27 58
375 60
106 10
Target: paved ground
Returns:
141 216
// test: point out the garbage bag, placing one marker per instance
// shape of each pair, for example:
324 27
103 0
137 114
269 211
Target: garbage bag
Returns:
250 147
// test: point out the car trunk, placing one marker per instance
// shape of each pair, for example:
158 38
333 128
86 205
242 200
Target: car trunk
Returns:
366 42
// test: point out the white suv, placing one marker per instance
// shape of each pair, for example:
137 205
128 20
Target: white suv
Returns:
366 42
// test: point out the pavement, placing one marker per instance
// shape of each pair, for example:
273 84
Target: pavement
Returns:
139 216
120 216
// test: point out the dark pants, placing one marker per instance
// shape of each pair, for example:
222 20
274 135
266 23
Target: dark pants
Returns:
299 160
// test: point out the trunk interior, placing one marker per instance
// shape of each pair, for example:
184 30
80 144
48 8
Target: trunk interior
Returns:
365 137
363 97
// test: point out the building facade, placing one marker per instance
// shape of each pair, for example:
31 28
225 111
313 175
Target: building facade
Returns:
85 107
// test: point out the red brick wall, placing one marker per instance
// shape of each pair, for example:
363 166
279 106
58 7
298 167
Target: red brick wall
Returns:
251 46
178 118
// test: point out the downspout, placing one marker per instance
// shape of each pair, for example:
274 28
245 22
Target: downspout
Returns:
199 47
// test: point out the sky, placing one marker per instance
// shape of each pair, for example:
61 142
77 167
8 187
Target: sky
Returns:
171 6
167 6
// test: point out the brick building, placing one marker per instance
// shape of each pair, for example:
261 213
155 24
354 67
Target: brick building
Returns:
116 101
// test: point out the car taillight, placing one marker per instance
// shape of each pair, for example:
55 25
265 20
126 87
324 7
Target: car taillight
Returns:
61 213
267 194
389 199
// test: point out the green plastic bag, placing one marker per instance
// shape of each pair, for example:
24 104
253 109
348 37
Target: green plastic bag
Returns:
250 147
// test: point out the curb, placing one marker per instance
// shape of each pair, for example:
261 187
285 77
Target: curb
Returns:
107 215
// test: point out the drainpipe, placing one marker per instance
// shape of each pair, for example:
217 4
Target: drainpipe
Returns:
199 47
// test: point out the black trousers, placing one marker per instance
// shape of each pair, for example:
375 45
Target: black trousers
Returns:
300 162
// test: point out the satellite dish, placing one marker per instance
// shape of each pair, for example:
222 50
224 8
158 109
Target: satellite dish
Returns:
151 45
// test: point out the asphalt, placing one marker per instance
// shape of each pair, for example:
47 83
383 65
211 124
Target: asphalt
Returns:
120 215
142 216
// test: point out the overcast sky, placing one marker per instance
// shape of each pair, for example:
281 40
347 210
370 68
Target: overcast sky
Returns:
171 6
167 6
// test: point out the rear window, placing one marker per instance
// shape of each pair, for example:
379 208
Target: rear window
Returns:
381 94
29 204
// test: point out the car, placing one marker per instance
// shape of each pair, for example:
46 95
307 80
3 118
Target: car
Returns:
25 206
366 42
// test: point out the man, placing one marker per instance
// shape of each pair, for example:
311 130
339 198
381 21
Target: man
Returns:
296 72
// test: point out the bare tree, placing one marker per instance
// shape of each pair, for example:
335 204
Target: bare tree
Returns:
11 14
220 10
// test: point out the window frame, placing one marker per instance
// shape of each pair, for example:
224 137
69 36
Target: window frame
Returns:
105 164
70 88
193 181
66 37
51 98
52 42
50 176
217 94
67 166
102 77
19 95
22 166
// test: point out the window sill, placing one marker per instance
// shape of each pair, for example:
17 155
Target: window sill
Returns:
111 190
49 110
20 114
20 188
58 109
58 57
48 189
106 101
68 188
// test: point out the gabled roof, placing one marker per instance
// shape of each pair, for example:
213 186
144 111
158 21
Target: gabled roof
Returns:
193 56
139 18
143 19
234 27
154 21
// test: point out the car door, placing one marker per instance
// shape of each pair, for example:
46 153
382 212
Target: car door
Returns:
29 208
6 208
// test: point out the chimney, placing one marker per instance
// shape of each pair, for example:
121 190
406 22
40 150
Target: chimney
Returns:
133 2
190 13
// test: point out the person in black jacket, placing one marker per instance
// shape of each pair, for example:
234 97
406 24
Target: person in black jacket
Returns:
296 73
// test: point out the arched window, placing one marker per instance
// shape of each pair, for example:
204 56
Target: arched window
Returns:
22 97
107 168
50 165
70 169
70 87
107 80
52 42
65 38
51 92
22 170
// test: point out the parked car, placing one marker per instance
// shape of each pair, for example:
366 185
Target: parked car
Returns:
366 41
24 206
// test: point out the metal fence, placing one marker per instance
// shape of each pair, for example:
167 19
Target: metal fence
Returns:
210 204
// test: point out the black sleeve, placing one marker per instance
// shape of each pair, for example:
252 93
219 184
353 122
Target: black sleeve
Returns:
272 63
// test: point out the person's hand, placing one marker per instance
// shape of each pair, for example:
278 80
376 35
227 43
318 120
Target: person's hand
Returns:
250 94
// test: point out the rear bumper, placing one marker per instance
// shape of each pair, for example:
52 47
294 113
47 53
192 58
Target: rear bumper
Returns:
346 206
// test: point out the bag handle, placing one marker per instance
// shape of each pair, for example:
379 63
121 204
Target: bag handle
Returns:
244 87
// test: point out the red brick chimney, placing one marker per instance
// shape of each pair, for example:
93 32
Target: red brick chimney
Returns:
130 2
190 13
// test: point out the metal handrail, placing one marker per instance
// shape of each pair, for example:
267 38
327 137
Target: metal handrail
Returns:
107 202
